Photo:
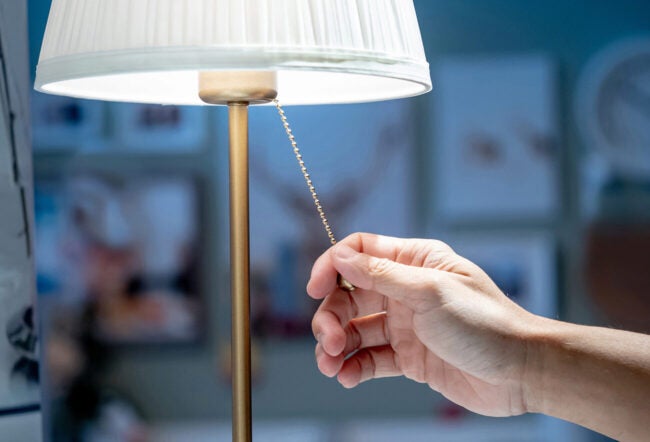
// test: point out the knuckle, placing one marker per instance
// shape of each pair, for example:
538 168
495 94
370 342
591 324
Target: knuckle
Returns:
385 329
353 238
371 363
356 236
436 244
355 340
433 281
353 306
378 267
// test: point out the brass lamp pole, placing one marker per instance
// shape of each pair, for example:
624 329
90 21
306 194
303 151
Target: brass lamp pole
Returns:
237 90
239 272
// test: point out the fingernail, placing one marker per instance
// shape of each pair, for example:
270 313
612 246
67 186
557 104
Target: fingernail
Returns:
344 252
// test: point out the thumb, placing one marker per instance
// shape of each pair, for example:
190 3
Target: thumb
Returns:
415 287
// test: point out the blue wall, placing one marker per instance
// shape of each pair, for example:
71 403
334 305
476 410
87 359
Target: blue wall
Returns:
570 32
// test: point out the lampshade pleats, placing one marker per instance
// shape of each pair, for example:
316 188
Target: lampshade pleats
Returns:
87 41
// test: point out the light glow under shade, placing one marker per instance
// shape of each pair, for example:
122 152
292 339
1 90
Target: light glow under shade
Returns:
181 87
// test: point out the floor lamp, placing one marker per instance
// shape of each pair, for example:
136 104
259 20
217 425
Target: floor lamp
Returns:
234 53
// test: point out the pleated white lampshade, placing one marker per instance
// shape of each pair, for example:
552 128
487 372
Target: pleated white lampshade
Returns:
322 51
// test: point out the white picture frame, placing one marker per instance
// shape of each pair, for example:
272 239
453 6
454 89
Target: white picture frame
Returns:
495 139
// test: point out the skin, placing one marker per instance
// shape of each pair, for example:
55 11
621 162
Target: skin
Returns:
424 312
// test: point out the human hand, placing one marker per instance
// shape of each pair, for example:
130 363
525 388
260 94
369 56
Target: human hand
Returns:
423 312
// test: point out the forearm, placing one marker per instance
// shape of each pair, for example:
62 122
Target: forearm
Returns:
595 377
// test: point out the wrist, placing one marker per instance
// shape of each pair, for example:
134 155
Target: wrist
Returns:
595 377
540 339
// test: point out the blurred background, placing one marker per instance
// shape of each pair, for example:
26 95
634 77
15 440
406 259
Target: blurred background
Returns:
531 156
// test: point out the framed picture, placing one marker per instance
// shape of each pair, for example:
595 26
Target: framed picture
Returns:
66 123
158 128
522 266
360 160
495 139
127 250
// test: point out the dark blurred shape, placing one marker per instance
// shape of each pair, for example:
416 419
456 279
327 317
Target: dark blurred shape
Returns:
21 332
24 339
84 406
69 113
483 149
154 116
617 272
625 200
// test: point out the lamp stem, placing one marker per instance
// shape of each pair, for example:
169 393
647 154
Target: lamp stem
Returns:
240 272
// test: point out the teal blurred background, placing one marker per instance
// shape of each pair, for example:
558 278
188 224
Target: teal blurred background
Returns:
380 166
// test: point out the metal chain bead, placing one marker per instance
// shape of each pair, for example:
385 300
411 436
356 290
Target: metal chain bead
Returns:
303 169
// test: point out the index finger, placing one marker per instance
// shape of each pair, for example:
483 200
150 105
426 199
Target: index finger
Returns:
323 274
336 312
415 252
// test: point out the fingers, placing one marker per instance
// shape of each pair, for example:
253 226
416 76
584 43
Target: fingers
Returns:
323 275
336 311
327 364
361 333
329 332
369 363
413 286
383 246
369 331
381 268
403 269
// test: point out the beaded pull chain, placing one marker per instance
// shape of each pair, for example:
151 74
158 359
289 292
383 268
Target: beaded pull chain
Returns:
342 282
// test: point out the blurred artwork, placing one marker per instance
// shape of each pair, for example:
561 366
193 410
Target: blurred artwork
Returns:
495 139
522 266
158 128
127 249
64 123
611 111
612 105
359 158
